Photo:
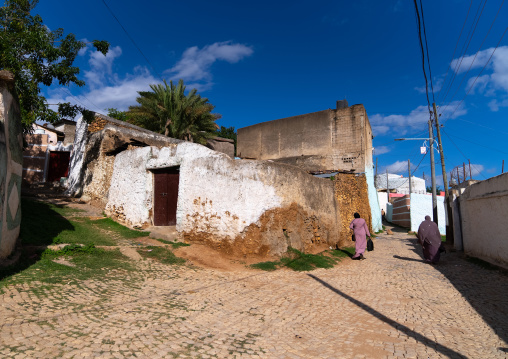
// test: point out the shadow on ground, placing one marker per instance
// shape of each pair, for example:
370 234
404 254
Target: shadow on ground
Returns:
400 327
40 224
484 287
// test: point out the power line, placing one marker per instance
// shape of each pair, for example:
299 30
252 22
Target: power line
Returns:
132 40
455 49
477 52
479 144
462 153
463 52
474 82
417 13
427 49
477 124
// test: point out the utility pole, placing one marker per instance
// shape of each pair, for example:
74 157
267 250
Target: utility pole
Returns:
445 180
449 227
433 174
409 170
376 166
387 188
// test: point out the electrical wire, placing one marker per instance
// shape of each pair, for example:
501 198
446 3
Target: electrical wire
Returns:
474 82
455 49
463 52
132 40
479 144
427 50
462 153
417 12
474 59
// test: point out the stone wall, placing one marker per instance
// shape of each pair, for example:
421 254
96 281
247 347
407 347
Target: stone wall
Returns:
352 196
238 206
339 139
11 165
483 213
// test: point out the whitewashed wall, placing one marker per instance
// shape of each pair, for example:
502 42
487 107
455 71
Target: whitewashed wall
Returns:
421 206
484 213
219 196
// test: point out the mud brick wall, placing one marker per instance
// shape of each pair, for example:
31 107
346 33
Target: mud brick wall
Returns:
352 196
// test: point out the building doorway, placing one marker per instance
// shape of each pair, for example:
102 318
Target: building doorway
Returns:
58 165
165 195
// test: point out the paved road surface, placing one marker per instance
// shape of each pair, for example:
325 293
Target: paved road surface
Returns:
391 305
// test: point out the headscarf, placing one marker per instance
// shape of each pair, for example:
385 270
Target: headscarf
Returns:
429 232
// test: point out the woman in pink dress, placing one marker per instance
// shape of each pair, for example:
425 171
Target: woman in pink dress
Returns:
361 231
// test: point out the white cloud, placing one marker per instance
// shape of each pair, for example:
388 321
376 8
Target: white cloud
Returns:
106 89
398 167
437 84
495 104
415 121
379 150
195 63
101 66
119 94
496 80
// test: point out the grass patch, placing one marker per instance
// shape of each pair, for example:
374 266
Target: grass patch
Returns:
298 261
90 263
160 254
173 244
344 252
266 266
110 225
45 224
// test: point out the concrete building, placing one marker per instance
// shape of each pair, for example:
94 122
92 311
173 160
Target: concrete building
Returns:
337 139
11 165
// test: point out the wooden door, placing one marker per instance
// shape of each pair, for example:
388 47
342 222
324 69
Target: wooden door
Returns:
165 197
58 165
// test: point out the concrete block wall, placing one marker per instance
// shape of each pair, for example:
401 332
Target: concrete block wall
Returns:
11 166
338 139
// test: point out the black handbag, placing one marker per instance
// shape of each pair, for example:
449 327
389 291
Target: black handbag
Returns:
370 245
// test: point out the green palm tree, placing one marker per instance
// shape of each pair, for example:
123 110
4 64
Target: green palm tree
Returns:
166 109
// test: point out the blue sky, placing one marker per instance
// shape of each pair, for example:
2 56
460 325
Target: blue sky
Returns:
263 60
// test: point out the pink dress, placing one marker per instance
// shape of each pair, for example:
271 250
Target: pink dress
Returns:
361 231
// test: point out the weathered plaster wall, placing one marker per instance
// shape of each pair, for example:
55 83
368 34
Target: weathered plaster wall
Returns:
11 166
76 170
91 165
238 206
484 209
421 206
339 139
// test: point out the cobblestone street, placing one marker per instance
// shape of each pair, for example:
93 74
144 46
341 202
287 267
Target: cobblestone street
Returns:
391 305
